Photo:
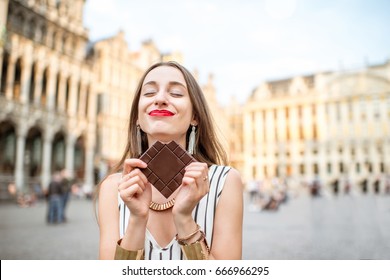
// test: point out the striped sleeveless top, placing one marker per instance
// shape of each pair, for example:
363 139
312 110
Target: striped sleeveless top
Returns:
203 215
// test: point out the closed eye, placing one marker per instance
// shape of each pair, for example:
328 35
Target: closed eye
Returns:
149 93
176 94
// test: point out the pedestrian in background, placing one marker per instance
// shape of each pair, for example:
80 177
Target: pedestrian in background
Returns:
55 199
66 183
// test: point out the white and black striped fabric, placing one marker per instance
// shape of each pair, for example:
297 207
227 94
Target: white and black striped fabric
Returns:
203 215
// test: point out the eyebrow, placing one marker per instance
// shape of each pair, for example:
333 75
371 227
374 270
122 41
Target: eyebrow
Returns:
171 83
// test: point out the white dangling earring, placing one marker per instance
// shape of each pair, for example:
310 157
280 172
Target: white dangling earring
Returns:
139 140
191 141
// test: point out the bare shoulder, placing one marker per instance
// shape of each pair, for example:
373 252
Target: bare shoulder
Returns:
234 178
108 199
233 185
234 174
109 186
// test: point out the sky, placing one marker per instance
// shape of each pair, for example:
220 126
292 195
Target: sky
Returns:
244 43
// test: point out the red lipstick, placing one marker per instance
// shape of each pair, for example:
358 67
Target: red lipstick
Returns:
161 113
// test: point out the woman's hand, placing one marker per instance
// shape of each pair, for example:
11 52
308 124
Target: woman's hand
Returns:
134 188
194 186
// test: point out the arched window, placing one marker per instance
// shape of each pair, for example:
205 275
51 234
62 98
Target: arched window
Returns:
58 154
67 95
45 79
56 97
33 155
4 72
63 44
7 147
32 84
87 100
78 97
54 40
17 79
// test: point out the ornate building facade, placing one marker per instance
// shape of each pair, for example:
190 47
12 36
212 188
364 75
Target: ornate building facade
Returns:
332 126
47 115
64 101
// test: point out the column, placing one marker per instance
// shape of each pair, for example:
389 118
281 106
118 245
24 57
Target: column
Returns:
69 154
38 85
89 161
91 104
281 124
46 159
3 23
247 139
10 77
25 80
293 124
72 104
295 157
270 127
82 100
20 149
51 89
61 94
258 128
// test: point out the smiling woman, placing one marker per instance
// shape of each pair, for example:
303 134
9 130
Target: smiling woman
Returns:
202 218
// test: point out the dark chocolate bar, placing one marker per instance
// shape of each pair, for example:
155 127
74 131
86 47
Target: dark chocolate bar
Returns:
166 163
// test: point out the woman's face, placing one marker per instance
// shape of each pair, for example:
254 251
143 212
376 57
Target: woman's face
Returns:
165 109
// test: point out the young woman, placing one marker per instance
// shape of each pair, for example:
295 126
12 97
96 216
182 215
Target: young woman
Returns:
203 218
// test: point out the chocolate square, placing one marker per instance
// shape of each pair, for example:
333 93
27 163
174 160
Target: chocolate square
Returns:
166 163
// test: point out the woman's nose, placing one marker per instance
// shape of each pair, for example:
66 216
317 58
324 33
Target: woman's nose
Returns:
161 97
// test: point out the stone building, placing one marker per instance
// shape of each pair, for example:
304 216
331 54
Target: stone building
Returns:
47 117
332 126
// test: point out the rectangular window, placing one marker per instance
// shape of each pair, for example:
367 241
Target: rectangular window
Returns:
302 169
329 168
382 167
341 167
357 168
315 168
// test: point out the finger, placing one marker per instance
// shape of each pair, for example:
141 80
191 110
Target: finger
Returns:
196 188
197 174
138 172
133 173
135 180
197 166
187 181
131 192
131 163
